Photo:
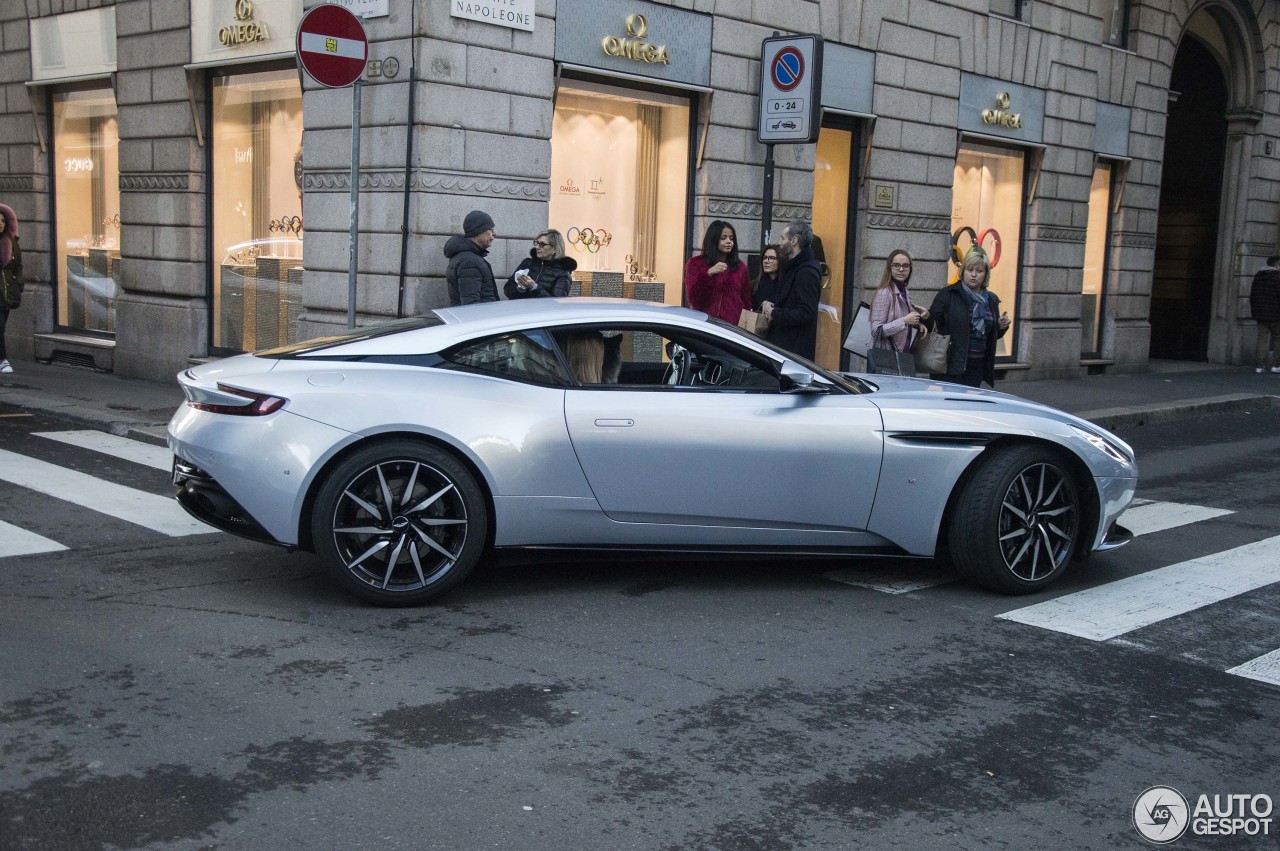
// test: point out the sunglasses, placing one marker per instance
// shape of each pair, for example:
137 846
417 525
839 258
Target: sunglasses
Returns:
541 244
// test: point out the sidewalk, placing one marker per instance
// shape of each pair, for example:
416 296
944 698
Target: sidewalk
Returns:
1171 390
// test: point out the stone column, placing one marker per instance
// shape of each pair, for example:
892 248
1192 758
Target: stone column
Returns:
162 309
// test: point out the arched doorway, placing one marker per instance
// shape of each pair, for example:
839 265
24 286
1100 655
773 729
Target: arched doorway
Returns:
1201 234
1185 269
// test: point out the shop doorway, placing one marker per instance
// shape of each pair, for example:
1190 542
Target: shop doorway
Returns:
1190 205
835 187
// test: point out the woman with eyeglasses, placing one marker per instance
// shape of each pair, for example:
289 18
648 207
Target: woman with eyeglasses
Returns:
545 272
765 286
715 280
895 318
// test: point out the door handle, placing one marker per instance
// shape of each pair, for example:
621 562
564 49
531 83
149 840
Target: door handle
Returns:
615 423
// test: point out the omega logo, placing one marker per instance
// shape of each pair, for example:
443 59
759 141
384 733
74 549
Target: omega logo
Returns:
633 46
248 30
1001 116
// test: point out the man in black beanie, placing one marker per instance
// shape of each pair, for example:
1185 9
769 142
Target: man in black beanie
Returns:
469 275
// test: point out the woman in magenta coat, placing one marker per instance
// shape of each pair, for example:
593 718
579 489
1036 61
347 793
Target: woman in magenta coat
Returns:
716 281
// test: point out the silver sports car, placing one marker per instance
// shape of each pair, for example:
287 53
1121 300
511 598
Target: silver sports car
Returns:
402 453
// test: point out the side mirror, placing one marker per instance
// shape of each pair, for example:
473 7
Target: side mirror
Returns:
793 378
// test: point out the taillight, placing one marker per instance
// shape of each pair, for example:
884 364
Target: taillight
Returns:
257 404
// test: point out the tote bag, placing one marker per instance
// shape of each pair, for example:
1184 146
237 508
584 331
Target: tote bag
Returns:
858 340
931 352
890 361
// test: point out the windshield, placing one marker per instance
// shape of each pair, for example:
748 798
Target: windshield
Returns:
366 332
845 382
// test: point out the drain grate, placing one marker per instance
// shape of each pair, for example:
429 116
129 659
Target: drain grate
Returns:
65 358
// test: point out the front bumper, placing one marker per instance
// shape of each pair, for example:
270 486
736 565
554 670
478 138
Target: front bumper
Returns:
1114 495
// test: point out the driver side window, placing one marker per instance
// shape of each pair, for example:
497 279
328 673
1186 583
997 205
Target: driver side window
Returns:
662 359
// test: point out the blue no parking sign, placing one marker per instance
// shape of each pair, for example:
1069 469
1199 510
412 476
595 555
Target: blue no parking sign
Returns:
790 89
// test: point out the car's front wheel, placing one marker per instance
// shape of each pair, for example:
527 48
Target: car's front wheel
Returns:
1016 521
399 523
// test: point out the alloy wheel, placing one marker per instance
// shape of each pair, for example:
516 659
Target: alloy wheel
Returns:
400 525
1037 523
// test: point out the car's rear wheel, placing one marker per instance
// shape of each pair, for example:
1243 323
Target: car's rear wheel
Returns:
400 523
1016 521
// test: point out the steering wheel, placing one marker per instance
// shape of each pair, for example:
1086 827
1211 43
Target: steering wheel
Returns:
680 371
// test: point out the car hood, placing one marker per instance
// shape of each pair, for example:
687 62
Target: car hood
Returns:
919 405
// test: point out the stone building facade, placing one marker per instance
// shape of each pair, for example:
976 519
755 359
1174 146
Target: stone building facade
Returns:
1121 159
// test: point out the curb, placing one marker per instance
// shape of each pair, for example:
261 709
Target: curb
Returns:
1111 418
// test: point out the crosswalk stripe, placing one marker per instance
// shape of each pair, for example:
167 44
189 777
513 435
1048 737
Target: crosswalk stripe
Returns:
158 513
1118 607
117 447
15 541
1147 517
1265 668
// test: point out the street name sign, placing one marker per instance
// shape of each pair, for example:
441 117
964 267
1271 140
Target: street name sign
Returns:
332 46
790 89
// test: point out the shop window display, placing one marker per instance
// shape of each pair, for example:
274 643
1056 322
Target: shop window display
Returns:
86 169
257 209
831 204
987 201
1095 260
619 182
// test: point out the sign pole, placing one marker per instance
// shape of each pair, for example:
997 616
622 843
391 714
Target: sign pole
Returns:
766 216
332 47
790 103
355 203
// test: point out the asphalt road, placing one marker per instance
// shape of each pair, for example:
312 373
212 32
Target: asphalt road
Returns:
197 691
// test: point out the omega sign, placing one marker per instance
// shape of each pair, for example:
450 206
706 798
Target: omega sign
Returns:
247 30
1001 116
634 46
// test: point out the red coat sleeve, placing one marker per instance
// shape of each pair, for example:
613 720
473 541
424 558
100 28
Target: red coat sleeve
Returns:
697 283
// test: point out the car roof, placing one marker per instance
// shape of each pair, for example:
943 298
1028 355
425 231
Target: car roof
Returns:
477 320
544 311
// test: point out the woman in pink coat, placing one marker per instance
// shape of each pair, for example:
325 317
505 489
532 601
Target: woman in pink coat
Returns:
895 318
716 281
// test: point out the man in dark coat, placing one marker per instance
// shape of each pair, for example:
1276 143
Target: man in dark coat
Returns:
793 315
1264 305
470 277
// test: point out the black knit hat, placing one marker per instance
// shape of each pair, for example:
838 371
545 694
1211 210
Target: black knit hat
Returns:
476 223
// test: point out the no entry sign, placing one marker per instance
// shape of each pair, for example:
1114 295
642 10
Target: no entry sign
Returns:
790 89
332 46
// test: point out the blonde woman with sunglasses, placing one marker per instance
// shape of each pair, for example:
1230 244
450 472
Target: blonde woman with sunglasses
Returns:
546 272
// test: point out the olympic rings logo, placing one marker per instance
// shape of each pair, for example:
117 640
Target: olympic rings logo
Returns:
976 240
586 239
286 224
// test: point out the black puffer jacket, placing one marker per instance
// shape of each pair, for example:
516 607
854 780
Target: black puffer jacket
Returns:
551 276
1264 295
470 277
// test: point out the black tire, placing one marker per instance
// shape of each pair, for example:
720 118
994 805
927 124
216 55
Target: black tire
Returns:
1016 522
399 523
